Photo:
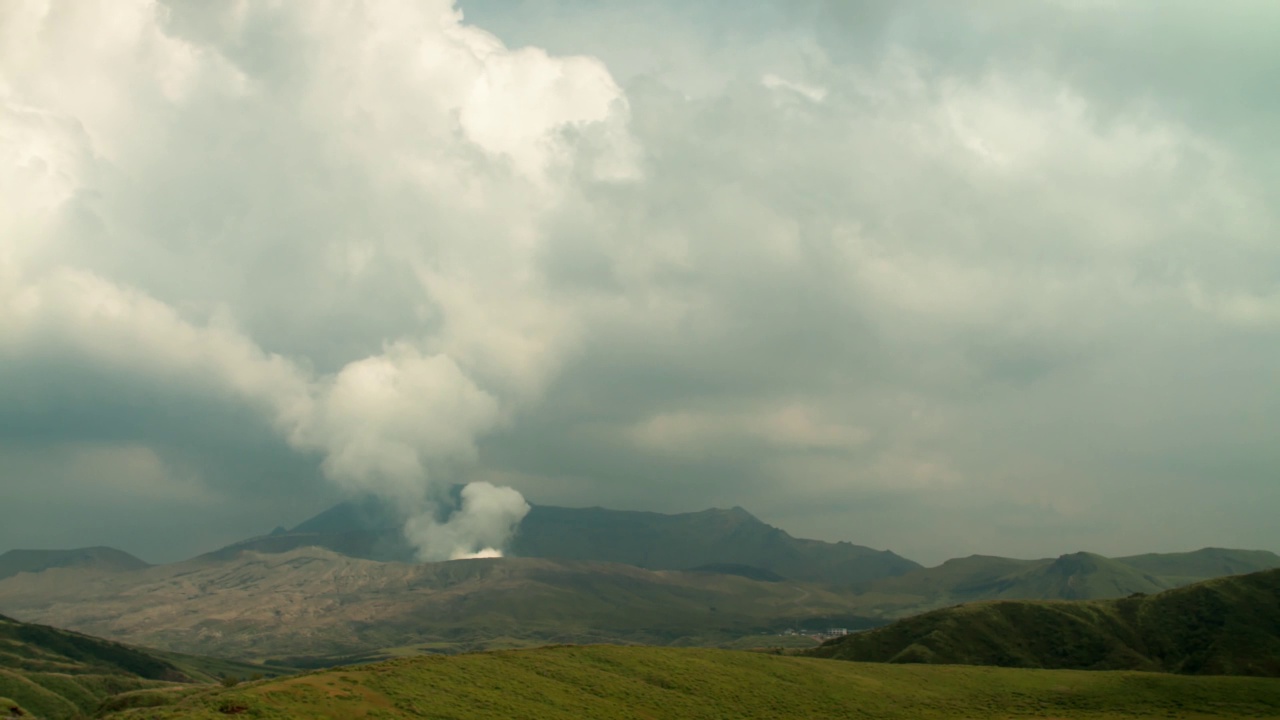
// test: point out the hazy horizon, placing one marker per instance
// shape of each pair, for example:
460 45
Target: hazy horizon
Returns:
958 553
950 278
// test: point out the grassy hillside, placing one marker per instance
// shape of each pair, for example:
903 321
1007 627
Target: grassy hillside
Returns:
53 673
967 575
39 648
58 696
102 558
1224 626
318 604
1079 576
615 682
12 708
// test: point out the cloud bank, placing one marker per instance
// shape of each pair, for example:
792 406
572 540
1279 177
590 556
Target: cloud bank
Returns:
943 278
154 229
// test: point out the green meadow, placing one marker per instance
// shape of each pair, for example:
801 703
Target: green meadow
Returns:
575 682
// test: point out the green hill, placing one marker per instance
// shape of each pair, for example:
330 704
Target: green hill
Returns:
614 682
655 541
968 578
12 708
102 558
54 673
1224 626
39 648
1079 576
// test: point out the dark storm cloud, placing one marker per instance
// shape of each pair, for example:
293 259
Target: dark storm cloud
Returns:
946 278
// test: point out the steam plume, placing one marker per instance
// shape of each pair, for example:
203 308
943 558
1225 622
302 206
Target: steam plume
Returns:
418 157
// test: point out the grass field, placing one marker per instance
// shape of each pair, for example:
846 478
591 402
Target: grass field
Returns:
642 682
8 707
770 642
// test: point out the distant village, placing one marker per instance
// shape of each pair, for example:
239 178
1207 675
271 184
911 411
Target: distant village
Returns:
819 635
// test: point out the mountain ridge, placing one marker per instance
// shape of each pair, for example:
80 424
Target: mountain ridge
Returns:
1203 563
101 557
650 540
1073 576
1227 625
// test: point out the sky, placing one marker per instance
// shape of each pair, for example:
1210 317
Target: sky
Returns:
946 277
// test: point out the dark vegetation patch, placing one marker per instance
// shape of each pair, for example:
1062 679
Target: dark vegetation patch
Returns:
1229 626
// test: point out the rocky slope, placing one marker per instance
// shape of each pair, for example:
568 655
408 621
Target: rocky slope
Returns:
314 602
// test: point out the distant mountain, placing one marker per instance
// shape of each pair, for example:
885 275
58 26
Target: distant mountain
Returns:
102 558
1078 576
312 602
366 529
1188 567
736 542
54 673
691 540
970 578
648 540
1227 626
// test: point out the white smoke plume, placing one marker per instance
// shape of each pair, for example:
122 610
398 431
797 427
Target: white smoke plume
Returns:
477 529
387 424
154 155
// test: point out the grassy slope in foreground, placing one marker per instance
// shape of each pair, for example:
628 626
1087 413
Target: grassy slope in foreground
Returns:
1224 626
31 648
607 682
54 673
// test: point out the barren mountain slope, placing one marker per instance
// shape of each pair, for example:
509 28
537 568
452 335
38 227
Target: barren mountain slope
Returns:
313 602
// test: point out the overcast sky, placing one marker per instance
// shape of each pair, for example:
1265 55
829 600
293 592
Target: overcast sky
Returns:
944 277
